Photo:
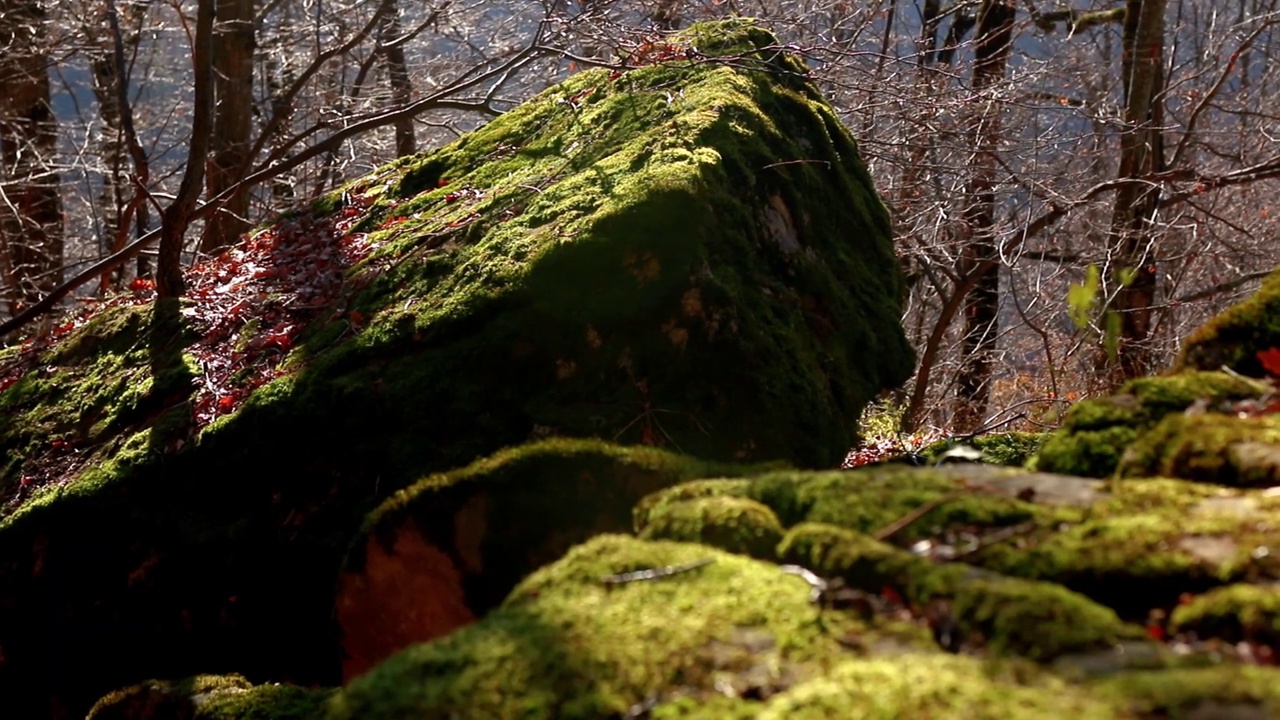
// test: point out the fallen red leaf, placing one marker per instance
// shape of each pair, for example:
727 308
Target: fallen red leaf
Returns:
1270 359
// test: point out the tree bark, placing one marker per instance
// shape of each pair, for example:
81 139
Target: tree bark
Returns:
177 216
124 195
397 78
233 47
31 230
1132 235
992 45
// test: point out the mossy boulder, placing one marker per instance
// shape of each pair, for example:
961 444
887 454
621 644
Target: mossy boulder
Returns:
1208 447
1038 620
449 548
1132 546
1097 432
1234 338
687 254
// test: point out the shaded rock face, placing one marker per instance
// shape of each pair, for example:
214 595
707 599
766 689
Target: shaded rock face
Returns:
686 254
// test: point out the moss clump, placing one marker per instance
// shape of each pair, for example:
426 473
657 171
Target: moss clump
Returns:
937 687
566 644
1233 613
1209 447
869 500
563 488
1235 337
210 697
730 523
1033 619
1096 433
1227 691
1011 449
714 487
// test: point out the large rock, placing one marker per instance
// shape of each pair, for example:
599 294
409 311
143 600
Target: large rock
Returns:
688 254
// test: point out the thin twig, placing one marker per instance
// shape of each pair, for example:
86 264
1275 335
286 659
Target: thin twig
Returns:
898 525
656 573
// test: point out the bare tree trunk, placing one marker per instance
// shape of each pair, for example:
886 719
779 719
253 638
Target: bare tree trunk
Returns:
31 233
177 216
397 78
1133 215
233 44
123 196
991 56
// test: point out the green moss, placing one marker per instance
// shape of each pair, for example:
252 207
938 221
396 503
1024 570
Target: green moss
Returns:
730 523
83 396
1013 449
694 490
1198 692
530 503
868 500
1235 337
1209 447
567 645
1096 433
211 697
1233 613
935 687
1033 619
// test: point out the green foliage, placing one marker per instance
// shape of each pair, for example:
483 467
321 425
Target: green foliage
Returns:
1082 298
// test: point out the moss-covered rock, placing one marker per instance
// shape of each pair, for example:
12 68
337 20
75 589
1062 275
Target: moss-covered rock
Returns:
1233 613
1208 447
687 254
1008 615
1225 692
732 638
730 523
211 697
1096 433
448 549
1234 338
1131 545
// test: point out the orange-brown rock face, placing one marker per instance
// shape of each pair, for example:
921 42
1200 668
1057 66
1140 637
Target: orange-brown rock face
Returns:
408 593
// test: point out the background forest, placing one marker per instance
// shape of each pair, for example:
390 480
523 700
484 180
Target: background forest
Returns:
1074 185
